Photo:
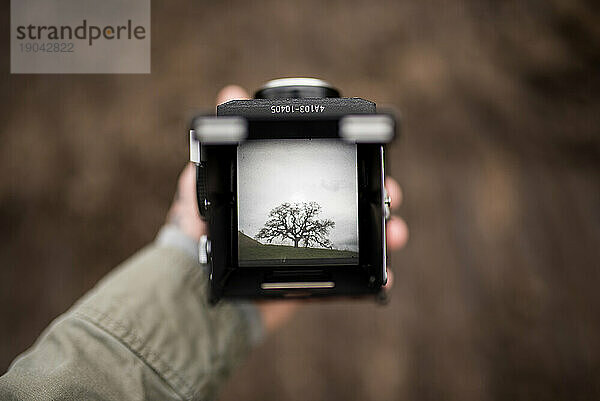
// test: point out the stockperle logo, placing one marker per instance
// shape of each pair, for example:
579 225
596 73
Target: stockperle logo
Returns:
80 36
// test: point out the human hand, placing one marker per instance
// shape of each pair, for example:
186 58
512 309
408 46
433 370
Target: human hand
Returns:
184 214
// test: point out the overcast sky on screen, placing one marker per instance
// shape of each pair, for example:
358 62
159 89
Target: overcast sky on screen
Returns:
299 170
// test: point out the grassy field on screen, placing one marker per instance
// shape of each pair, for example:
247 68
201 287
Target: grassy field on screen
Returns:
250 249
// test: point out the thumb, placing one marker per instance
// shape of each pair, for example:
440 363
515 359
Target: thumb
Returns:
231 92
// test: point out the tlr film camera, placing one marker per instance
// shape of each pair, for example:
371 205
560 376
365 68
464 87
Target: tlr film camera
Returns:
291 184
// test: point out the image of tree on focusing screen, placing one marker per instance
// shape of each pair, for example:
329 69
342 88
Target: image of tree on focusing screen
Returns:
297 200
297 222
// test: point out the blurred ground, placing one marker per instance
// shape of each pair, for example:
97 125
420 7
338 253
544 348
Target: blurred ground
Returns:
496 295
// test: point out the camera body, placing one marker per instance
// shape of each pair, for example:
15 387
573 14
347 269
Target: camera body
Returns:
291 184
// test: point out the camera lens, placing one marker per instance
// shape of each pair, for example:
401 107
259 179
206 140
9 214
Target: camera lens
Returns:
296 88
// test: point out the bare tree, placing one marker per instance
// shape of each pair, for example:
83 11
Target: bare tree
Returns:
297 222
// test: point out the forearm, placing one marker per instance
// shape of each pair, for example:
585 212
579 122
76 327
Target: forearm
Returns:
145 331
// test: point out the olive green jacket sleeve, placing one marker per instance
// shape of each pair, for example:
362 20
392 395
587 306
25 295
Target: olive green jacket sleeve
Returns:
145 332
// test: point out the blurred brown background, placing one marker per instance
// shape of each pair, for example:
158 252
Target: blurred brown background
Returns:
496 296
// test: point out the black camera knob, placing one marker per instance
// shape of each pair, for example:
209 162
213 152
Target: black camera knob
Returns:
285 88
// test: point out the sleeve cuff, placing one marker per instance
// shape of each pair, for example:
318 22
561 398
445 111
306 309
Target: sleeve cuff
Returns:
171 236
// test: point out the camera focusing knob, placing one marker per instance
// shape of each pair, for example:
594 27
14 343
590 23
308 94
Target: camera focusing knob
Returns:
204 250
387 203
296 88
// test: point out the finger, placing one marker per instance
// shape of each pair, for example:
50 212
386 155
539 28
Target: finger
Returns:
184 210
186 184
394 191
275 313
390 280
396 232
231 92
